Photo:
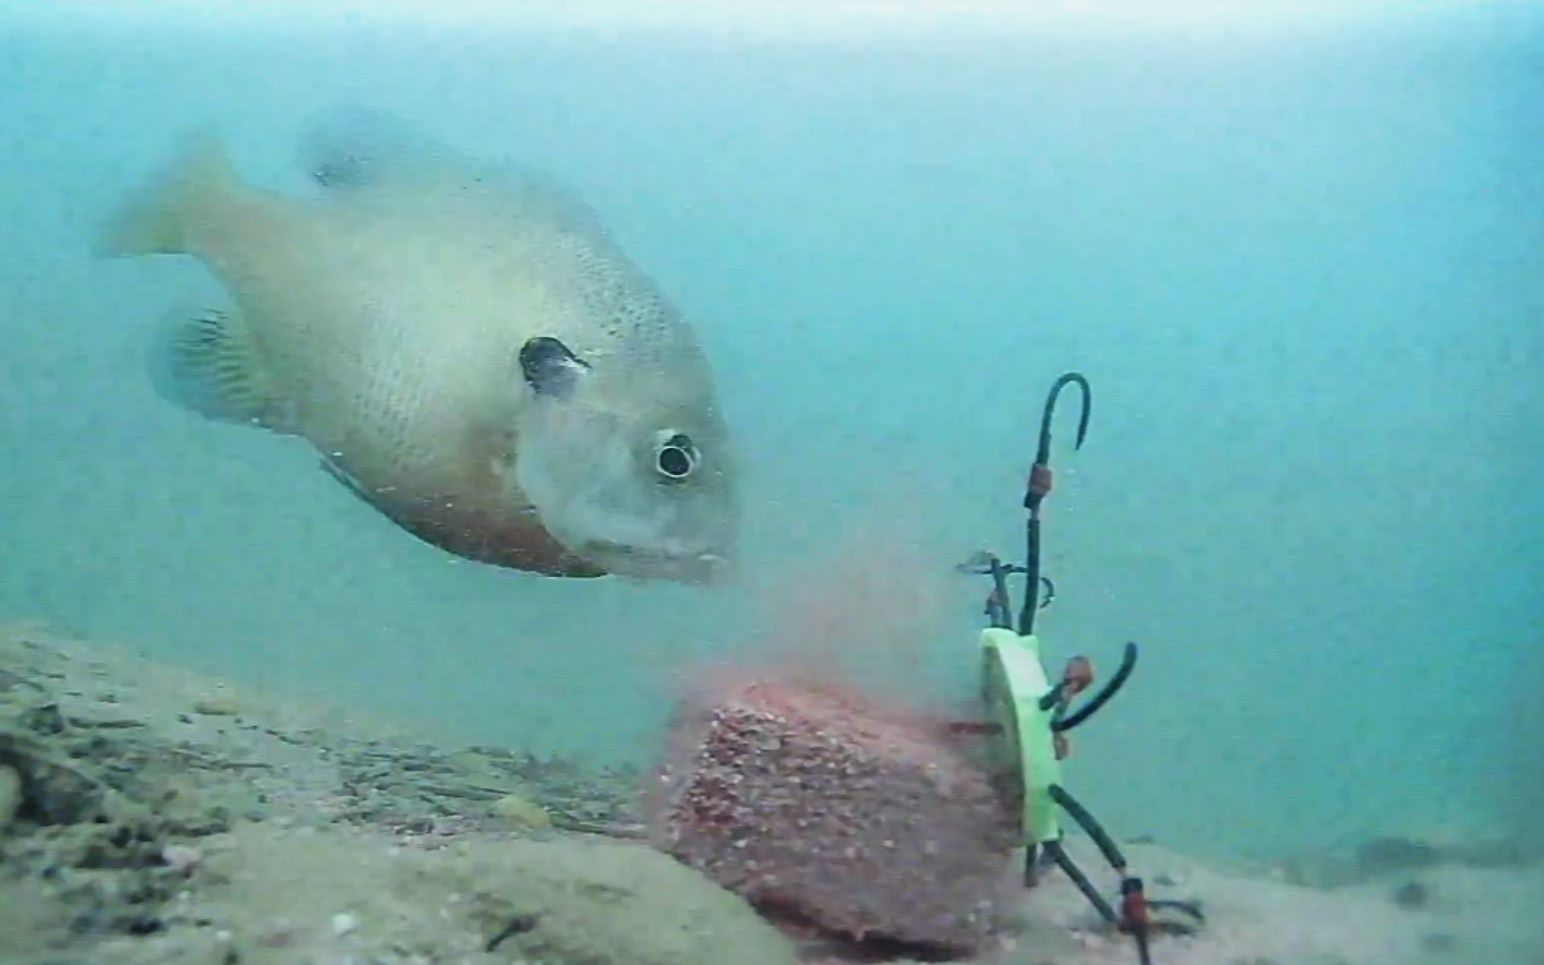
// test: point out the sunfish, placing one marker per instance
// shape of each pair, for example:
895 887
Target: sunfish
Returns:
468 348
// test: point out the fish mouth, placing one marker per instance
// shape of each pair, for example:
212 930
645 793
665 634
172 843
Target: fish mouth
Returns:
700 568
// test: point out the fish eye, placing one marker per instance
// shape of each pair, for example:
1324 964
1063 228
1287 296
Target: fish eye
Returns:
676 457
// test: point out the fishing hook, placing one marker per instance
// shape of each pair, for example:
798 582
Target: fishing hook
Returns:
1043 453
1040 486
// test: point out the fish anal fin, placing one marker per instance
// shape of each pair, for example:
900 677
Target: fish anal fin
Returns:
206 362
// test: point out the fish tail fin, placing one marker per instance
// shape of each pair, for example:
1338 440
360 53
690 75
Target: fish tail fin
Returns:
207 362
160 216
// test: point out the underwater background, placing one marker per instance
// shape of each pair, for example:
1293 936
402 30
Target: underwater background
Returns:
1297 254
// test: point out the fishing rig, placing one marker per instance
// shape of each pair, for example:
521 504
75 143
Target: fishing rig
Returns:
1028 718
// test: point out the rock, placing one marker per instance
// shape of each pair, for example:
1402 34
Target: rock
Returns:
1412 894
817 801
1504 852
598 902
44 719
182 858
520 813
54 792
561 902
220 702
1395 854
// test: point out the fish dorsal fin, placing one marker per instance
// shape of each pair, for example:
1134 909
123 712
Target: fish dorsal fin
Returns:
541 197
354 148
359 149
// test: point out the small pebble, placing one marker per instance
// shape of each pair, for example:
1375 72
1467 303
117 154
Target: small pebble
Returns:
145 925
221 703
521 813
1412 894
182 858
343 923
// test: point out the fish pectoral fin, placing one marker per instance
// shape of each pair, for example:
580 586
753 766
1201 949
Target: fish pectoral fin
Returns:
550 368
206 362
